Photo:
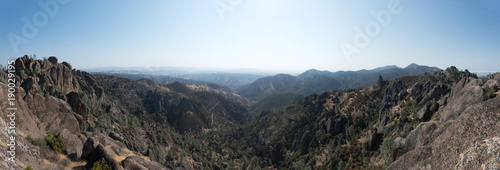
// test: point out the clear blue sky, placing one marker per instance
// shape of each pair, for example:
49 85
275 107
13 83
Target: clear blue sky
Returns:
291 35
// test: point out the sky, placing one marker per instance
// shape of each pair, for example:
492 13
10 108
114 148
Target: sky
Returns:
286 35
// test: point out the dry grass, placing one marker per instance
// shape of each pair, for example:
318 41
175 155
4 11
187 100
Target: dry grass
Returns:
129 153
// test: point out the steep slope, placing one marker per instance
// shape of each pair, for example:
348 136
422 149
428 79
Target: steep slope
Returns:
275 101
184 85
191 111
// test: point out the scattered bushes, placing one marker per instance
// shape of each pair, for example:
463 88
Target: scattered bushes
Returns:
55 142
29 138
133 122
101 165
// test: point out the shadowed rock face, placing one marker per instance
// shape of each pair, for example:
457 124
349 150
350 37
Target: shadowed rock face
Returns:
394 93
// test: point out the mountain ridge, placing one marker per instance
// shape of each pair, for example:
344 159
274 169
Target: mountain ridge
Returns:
336 80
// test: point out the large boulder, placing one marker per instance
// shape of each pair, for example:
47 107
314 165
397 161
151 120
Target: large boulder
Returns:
53 60
89 147
102 152
73 144
491 85
116 136
54 114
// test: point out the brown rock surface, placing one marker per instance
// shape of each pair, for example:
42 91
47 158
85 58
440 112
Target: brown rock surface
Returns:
475 124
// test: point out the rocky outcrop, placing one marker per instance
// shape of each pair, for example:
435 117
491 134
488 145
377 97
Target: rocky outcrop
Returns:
74 100
116 136
462 118
439 143
53 114
497 76
466 92
101 152
101 146
336 125
380 82
436 92
375 140
491 85
427 111
54 78
88 147
394 93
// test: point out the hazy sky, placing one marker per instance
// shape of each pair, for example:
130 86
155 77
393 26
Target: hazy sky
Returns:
290 35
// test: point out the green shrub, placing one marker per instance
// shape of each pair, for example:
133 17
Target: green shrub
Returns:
28 168
101 165
29 137
55 142
489 95
386 150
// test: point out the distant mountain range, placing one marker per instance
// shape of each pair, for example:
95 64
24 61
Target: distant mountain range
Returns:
256 87
165 75
321 81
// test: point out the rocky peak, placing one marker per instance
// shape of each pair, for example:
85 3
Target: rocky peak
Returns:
380 82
